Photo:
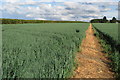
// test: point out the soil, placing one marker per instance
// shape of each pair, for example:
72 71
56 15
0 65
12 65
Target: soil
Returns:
91 62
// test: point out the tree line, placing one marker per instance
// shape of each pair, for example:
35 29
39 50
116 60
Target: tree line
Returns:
20 21
104 20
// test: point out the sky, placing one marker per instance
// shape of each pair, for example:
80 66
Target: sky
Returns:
69 10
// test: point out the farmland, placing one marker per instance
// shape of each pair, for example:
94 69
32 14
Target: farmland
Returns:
108 37
48 50
59 39
0 51
108 28
40 50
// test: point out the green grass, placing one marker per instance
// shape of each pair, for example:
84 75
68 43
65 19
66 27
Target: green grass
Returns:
108 36
40 50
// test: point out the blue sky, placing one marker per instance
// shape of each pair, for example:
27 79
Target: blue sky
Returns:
59 9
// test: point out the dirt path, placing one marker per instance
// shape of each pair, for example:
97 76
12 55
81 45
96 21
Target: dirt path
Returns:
92 63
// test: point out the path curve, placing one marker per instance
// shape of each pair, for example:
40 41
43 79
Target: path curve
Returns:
92 63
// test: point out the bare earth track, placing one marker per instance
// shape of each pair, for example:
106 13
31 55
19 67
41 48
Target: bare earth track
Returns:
92 63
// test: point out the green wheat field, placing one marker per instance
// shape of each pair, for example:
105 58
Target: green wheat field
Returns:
46 50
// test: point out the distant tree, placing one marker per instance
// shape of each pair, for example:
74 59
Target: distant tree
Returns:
104 20
114 20
96 21
118 21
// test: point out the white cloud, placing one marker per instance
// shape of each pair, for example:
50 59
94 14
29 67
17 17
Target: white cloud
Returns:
79 0
60 11
12 1
15 1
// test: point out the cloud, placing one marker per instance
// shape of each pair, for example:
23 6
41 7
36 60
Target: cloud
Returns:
58 11
12 1
79 0
15 1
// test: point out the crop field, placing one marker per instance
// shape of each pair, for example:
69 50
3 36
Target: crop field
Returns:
40 50
0 51
108 34
48 50
108 28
